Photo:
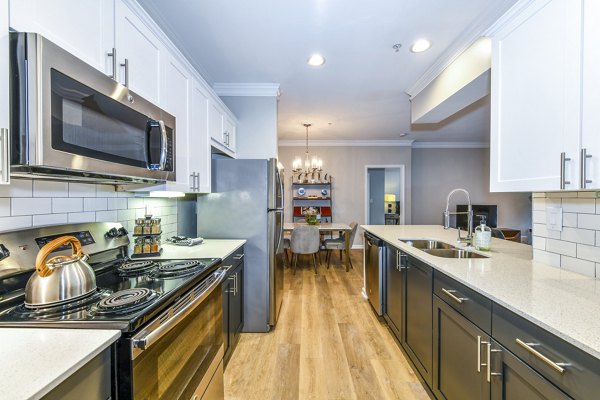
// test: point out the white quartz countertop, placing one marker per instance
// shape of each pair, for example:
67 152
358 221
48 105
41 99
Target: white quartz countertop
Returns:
209 248
35 361
562 302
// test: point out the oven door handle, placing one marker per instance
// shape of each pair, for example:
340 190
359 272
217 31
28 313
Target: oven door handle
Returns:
148 336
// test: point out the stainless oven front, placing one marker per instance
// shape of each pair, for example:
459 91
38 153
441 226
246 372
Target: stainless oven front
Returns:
69 119
179 354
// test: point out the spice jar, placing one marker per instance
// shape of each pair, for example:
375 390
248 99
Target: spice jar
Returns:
155 245
137 248
147 247
147 227
156 228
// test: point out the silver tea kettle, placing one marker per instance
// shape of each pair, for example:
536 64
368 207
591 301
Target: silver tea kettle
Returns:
61 278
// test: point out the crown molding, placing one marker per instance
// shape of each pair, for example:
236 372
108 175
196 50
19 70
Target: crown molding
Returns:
346 143
508 16
450 145
247 89
462 43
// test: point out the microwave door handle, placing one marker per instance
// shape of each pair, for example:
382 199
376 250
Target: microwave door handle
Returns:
163 146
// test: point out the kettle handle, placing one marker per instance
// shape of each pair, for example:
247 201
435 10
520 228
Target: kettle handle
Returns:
40 261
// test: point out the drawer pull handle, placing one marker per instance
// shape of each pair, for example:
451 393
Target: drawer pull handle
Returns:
450 293
558 367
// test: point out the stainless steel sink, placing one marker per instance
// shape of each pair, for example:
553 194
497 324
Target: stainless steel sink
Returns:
453 253
427 244
441 249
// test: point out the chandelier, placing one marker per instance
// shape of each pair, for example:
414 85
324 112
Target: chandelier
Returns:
310 165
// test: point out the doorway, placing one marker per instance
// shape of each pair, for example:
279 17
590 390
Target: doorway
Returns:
385 199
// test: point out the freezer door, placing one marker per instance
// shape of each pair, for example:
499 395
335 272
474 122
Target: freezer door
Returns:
276 264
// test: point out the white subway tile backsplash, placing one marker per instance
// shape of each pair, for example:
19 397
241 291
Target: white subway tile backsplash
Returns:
561 247
30 206
546 257
125 194
135 202
81 190
597 206
17 188
95 204
538 194
539 243
591 253
116 203
105 191
125 215
584 236
570 219
49 219
76 218
106 216
542 230
539 203
588 221
50 189
579 205
4 207
66 205
10 223
580 266
539 217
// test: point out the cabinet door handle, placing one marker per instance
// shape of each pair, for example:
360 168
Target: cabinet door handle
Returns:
478 353
4 151
126 65
113 55
583 168
450 293
563 161
193 176
557 366
235 282
238 256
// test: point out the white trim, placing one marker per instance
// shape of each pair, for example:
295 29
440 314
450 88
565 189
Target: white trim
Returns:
247 89
508 16
462 43
346 143
357 247
450 145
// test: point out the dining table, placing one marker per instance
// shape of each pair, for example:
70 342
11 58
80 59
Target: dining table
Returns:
327 227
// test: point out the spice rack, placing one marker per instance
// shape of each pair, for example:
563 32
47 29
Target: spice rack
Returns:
147 237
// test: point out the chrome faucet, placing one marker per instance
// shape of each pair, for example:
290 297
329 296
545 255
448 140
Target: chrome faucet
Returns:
469 213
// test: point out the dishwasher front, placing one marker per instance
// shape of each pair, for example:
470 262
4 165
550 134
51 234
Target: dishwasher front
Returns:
374 264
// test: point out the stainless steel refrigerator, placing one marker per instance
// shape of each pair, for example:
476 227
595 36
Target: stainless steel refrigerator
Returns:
247 203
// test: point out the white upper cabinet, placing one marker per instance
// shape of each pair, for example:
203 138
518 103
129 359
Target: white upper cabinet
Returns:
177 86
84 28
222 128
4 112
139 54
536 99
590 130
199 140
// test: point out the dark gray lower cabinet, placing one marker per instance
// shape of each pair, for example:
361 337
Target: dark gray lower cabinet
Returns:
458 373
233 318
417 333
512 379
394 293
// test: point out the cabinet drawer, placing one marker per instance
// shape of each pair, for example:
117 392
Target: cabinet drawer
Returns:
546 354
234 259
474 306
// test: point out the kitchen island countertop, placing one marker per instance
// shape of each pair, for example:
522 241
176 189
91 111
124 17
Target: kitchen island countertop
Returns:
37 360
560 301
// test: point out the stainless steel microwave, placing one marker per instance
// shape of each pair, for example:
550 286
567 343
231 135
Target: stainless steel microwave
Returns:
70 121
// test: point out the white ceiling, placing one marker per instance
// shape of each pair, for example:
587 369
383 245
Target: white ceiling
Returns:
360 92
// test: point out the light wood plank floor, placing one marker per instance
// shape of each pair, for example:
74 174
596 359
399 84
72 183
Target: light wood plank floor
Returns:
328 344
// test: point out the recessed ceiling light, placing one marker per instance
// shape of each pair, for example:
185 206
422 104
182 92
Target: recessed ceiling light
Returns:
420 45
316 60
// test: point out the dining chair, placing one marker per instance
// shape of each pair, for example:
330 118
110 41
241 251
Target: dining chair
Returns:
305 240
287 245
339 243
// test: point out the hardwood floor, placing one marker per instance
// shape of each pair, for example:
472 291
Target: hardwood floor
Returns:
328 344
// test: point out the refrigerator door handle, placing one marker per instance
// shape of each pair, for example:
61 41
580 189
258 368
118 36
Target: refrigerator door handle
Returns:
281 193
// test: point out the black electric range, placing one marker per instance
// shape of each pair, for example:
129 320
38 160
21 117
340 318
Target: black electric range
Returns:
129 293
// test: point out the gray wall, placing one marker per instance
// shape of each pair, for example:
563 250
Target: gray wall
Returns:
256 135
435 172
347 166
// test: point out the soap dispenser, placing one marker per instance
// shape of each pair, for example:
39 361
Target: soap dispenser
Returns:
483 236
